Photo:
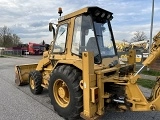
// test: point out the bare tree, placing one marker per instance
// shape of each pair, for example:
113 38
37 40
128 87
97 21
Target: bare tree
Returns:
7 39
4 33
139 36
16 40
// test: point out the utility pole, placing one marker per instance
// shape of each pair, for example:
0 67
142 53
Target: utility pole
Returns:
151 29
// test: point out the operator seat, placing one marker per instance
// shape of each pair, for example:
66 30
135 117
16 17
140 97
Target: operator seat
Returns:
92 45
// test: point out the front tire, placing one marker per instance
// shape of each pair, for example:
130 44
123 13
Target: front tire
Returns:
35 81
65 92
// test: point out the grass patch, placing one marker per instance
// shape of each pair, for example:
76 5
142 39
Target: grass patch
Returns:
1 56
146 83
151 72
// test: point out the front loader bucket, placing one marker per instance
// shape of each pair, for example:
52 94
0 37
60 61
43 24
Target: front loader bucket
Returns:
22 73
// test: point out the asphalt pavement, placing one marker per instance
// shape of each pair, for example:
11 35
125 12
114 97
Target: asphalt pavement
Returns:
18 103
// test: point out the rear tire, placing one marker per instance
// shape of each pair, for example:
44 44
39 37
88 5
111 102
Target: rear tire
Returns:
35 81
65 93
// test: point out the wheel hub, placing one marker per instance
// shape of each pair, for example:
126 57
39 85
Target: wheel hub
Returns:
61 92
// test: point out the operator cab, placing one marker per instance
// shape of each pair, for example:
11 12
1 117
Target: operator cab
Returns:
91 32
94 36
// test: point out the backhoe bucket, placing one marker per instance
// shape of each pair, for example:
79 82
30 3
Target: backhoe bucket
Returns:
22 73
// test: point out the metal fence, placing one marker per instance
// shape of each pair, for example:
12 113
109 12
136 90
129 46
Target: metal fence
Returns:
12 52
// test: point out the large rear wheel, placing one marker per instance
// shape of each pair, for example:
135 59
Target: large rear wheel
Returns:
65 92
35 81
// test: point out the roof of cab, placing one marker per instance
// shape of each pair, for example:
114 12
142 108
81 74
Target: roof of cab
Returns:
81 11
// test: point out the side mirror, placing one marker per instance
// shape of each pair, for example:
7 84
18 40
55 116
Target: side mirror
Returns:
50 27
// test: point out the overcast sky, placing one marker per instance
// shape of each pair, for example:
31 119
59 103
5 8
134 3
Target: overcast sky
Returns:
29 18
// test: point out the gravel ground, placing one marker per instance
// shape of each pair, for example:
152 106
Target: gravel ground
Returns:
18 103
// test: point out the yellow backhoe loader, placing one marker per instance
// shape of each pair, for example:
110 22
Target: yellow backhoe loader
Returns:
82 72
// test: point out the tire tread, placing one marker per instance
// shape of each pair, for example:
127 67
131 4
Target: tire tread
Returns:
74 76
37 76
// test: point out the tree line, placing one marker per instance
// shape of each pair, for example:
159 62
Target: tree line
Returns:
137 36
7 38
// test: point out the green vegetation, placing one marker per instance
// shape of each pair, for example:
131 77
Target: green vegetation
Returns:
151 72
7 38
146 83
1 56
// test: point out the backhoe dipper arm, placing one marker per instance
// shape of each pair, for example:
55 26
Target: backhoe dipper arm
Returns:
154 53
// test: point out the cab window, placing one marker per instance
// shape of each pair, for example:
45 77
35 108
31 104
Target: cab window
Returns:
83 36
61 38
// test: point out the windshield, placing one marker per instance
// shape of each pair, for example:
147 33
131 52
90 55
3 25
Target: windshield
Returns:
61 39
104 39
36 46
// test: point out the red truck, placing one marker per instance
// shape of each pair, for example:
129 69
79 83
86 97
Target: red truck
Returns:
30 48
35 49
